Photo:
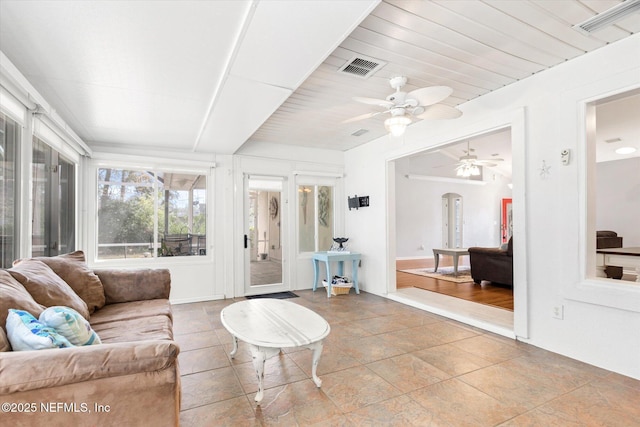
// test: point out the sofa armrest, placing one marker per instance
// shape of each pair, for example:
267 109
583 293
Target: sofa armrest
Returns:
36 369
134 285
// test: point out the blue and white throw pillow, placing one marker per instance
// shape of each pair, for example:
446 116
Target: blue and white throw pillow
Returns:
70 324
25 332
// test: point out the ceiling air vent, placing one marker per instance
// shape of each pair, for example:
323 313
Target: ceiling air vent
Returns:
360 132
608 17
362 66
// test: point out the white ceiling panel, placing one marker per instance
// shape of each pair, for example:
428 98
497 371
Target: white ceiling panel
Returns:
235 117
558 29
521 33
131 71
482 30
212 75
427 59
455 53
289 39
472 46
451 38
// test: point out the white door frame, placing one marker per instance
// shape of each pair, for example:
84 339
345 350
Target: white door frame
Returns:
516 121
246 255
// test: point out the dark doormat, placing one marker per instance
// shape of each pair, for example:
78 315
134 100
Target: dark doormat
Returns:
277 295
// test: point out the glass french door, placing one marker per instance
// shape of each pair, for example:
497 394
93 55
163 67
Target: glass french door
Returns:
264 247
53 201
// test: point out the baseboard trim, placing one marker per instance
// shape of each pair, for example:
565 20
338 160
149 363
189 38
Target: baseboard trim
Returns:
196 299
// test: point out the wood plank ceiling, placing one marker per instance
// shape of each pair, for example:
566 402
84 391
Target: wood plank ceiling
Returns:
473 46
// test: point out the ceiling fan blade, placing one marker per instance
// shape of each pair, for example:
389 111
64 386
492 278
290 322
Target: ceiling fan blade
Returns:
374 101
440 112
362 117
430 95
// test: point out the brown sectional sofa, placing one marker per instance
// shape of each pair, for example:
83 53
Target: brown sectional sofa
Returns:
131 378
492 264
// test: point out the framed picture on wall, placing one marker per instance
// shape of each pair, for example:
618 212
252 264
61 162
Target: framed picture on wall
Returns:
506 225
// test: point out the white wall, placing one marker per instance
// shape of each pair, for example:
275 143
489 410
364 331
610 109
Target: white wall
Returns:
419 214
618 198
601 320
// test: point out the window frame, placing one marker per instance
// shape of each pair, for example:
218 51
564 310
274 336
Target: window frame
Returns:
589 288
15 208
317 182
134 163
53 202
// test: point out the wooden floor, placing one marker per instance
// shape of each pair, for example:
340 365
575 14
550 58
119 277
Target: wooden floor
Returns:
485 293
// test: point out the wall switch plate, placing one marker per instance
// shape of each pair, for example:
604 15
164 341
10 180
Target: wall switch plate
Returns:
558 312
565 156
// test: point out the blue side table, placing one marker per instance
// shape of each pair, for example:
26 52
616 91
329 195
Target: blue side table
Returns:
340 258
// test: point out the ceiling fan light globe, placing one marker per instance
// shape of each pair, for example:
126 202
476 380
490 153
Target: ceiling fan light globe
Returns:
397 125
475 170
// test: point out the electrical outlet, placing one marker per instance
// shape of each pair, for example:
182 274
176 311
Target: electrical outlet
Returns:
558 312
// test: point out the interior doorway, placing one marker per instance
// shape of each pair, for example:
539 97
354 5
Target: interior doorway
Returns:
451 220
264 245
428 185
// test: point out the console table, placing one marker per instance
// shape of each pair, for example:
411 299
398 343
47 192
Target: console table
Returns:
618 257
454 252
340 258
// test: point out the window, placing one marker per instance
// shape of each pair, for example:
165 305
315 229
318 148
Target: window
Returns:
53 201
9 140
143 214
613 205
315 217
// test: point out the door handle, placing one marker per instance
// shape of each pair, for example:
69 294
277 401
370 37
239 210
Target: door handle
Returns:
246 241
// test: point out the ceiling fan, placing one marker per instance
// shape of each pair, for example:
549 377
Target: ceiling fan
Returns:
402 106
469 164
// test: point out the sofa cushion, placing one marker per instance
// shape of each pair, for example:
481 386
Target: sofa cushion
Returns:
4 341
133 330
70 324
122 285
46 287
131 310
25 332
14 295
72 268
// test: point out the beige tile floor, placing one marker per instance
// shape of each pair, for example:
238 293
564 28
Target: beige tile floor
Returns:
386 363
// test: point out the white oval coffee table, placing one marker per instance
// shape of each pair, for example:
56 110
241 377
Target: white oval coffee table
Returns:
269 325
